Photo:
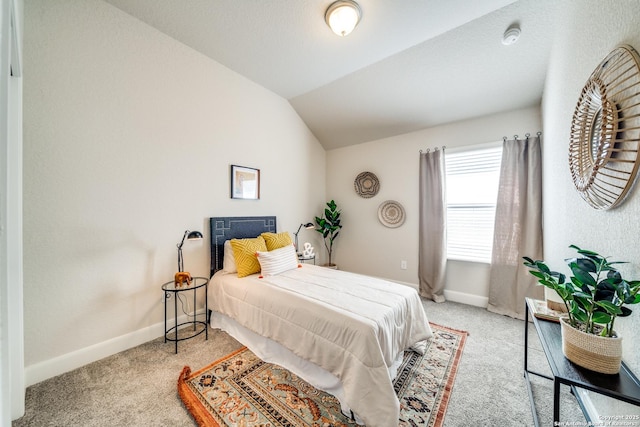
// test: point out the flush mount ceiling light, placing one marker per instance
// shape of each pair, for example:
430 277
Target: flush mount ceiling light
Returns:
511 35
342 16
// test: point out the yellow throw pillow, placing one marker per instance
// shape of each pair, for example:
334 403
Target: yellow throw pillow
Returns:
277 240
244 252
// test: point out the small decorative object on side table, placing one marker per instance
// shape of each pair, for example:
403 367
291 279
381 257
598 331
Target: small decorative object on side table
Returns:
182 277
307 254
172 287
541 310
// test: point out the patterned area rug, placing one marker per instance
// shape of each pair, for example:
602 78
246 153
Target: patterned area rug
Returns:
242 390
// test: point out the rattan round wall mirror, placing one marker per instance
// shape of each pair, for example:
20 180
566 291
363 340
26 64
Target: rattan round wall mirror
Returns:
604 148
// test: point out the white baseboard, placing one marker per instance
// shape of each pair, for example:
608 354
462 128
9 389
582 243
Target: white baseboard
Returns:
469 299
67 362
461 297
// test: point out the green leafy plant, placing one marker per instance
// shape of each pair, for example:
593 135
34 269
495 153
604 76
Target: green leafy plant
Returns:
596 293
329 226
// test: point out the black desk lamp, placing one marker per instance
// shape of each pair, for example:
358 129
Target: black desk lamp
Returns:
189 235
307 226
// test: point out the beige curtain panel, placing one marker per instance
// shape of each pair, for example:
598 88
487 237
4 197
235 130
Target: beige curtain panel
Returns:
518 227
432 253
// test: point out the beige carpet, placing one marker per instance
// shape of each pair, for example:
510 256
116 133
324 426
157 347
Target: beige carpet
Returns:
138 387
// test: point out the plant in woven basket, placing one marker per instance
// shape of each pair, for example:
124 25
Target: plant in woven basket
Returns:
596 294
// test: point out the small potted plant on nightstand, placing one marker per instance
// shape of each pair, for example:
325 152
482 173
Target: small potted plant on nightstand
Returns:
329 226
594 297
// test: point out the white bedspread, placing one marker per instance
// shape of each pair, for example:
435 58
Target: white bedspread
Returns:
353 326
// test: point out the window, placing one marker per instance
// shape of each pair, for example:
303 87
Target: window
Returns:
472 190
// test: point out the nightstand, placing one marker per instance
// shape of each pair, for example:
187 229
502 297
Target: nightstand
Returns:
199 326
304 259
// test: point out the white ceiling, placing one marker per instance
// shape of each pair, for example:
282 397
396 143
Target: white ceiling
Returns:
409 65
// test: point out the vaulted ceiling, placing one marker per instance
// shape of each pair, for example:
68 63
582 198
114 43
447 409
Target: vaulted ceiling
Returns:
409 64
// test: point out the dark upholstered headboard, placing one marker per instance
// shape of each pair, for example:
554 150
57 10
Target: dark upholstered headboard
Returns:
235 227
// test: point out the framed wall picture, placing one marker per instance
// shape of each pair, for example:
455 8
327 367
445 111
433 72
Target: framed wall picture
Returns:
245 183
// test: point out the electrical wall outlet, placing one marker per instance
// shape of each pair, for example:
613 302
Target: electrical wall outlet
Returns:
403 265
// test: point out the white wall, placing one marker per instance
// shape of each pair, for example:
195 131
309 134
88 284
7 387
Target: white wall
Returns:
365 245
590 30
128 139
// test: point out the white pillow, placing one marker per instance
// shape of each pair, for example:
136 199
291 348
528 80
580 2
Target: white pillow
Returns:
228 260
278 260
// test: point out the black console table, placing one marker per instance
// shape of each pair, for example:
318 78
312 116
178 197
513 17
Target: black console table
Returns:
623 386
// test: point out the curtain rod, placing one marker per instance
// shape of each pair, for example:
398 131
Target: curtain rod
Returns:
504 138
515 137
435 149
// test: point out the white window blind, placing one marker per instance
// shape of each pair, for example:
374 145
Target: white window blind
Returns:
472 190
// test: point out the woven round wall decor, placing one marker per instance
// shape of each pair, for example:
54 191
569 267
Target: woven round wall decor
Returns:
366 185
604 148
391 214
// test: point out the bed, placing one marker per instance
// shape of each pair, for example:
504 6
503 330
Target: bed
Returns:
342 332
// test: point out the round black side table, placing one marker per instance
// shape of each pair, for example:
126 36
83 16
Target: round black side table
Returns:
170 288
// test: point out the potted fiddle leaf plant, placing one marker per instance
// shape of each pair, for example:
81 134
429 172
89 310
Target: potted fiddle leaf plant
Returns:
329 226
595 295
